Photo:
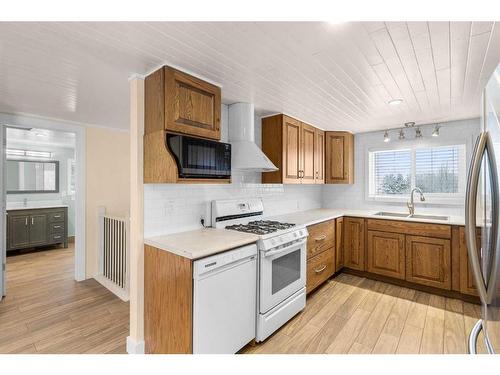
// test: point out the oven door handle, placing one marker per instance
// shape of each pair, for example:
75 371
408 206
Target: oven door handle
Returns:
295 245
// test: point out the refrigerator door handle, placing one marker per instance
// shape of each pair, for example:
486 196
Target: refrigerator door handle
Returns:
493 270
474 333
470 213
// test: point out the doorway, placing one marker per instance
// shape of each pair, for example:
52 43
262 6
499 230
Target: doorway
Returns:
43 168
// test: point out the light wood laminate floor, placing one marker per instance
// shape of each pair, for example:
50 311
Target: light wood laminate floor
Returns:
46 311
350 314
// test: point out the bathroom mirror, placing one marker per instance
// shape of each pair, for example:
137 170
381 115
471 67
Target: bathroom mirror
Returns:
32 176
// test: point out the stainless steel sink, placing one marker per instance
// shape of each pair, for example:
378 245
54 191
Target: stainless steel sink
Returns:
400 214
429 217
393 214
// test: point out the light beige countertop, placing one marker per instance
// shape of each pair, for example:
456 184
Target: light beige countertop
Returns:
201 243
204 242
34 207
314 216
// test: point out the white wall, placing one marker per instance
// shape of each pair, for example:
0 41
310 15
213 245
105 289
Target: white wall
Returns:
62 155
170 208
354 196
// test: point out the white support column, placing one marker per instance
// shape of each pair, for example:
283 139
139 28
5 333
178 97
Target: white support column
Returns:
135 342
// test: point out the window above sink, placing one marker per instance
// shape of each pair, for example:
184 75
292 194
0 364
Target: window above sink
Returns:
440 171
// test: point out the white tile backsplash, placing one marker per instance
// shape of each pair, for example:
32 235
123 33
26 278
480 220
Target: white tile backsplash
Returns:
170 208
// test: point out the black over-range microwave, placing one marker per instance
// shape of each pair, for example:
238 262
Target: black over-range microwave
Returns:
200 158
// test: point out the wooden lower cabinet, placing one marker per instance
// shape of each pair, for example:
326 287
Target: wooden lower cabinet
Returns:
428 261
321 237
354 243
321 258
467 283
385 254
339 243
320 268
168 302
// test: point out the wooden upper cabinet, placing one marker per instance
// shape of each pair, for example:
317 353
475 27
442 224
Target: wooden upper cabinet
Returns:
428 261
192 106
180 103
319 157
296 148
176 102
291 150
386 254
354 243
308 157
339 158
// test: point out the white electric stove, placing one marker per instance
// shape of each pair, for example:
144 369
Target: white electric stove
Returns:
282 260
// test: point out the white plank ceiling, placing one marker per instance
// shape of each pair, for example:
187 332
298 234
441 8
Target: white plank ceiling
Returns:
332 76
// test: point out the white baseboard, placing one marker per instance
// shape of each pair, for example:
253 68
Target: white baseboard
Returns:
115 289
134 347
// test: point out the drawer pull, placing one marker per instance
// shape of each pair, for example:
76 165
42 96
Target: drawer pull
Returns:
320 238
57 216
319 270
57 237
57 226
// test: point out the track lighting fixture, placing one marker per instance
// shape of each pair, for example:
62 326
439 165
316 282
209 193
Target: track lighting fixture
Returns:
401 134
386 136
418 133
435 132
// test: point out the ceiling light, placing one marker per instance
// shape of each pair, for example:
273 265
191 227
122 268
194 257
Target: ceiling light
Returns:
386 136
401 135
395 102
418 133
435 132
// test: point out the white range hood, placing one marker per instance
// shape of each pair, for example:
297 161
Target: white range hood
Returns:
245 154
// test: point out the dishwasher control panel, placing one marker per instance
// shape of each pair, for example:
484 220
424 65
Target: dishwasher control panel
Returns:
203 265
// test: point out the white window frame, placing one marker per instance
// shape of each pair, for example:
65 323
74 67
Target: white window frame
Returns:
431 198
70 163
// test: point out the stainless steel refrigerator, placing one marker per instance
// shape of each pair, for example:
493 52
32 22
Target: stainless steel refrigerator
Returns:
482 212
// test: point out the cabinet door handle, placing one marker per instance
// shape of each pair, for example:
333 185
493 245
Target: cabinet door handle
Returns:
32 221
320 238
319 270
26 222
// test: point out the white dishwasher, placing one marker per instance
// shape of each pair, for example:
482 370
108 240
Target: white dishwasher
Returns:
225 297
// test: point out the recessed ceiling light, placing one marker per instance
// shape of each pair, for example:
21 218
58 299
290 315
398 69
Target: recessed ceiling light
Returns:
395 102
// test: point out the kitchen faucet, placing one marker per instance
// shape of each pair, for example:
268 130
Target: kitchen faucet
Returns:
411 204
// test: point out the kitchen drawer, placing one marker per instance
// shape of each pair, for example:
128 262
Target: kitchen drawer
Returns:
321 237
56 216
320 268
57 227
56 237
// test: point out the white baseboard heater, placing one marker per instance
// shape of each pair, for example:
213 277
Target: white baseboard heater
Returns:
113 246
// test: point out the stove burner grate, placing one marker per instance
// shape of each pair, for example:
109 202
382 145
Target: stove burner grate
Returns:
261 227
